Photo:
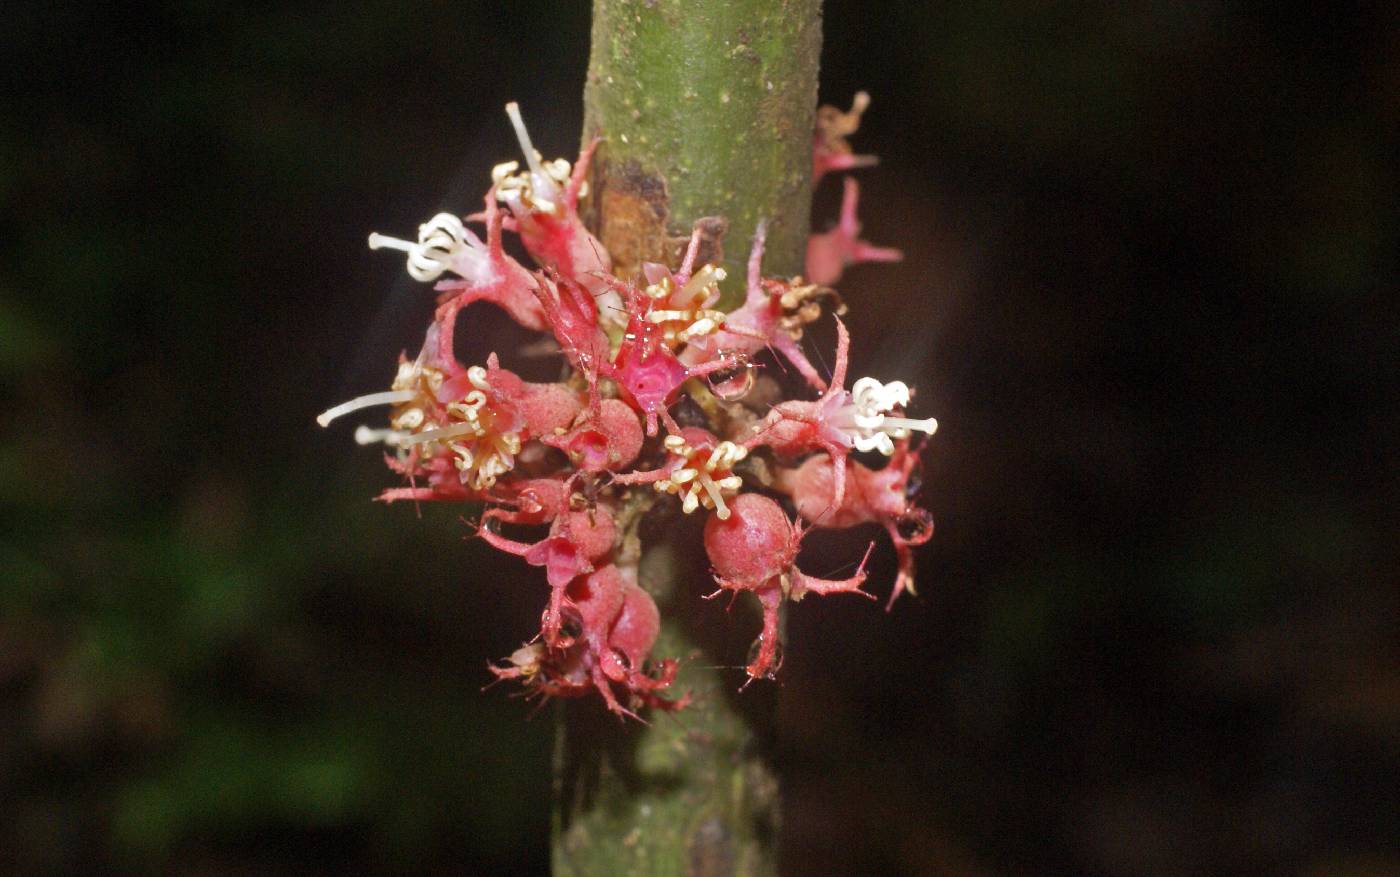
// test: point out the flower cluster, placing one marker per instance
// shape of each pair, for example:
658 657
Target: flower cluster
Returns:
581 461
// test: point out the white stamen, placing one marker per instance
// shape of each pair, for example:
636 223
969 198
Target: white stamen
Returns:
863 417
365 435
875 441
440 240
410 419
702 326
531 156
388 397
725 455
928 425
535 191
703 282
871 397
465 458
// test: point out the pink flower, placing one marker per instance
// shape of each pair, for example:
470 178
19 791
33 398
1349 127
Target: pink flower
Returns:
840 421
699 468
618 623
554 457
645 368
755 549
773 314
881 496
543 199
829 253
580 535
486 272
830 149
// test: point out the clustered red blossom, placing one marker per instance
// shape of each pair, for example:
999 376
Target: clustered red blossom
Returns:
578 462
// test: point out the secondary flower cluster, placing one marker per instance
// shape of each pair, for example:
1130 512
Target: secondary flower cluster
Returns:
581 460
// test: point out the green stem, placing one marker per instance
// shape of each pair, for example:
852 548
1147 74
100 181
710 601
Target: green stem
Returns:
707 109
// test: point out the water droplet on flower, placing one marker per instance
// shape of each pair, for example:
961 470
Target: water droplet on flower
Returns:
915 525
570 627
732 384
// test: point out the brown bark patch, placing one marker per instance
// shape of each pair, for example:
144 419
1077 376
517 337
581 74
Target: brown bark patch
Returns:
633 204
711 250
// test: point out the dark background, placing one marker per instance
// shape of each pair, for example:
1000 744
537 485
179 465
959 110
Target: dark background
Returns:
1150 294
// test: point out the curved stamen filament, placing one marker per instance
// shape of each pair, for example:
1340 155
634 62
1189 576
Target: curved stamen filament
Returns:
713 490
388 397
